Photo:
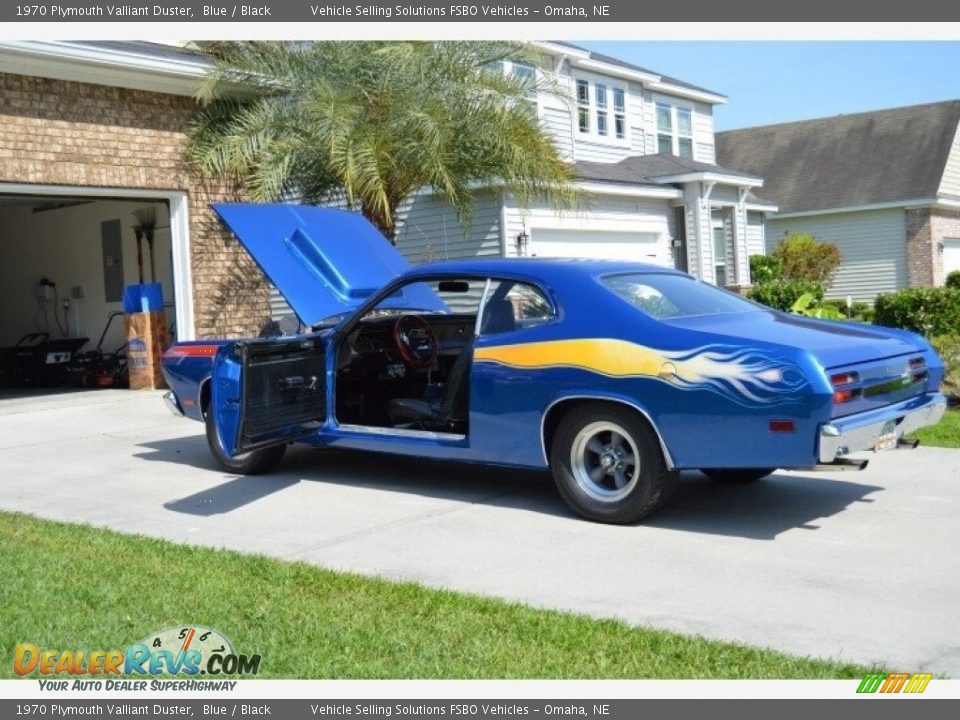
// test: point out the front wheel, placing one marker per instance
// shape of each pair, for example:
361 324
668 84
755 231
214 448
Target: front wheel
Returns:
608 465
741 475
255 462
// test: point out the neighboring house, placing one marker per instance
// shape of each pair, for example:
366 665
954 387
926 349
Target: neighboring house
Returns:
642 145
883 186
90 132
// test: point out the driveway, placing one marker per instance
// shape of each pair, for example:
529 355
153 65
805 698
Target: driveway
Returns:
856 566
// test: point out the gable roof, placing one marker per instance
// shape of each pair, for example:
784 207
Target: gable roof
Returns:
610 60
855 160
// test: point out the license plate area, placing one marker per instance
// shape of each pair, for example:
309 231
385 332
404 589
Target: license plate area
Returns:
888 437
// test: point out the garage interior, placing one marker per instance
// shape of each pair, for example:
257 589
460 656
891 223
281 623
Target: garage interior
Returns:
64 264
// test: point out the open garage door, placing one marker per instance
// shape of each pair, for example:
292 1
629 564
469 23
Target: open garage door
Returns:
602 245
65 260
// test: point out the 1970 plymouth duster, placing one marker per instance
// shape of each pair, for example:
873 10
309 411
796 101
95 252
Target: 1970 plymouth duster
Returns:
615 376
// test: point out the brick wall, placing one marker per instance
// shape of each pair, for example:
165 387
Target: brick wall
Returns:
920 255
54 132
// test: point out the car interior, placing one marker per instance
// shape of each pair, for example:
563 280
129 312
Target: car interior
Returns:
404 369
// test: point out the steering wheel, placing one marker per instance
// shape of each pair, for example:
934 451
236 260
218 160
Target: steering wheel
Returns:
415 341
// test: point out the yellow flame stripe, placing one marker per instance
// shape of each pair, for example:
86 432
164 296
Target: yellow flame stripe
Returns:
618 358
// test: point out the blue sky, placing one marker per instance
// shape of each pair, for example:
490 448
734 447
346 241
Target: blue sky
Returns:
772 82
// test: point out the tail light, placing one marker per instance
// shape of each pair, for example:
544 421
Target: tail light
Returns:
918 369
843 390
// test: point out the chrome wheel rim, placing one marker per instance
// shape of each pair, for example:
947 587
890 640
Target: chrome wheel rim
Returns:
605 461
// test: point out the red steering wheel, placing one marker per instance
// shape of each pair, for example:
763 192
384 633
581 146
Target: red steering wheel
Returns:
415 341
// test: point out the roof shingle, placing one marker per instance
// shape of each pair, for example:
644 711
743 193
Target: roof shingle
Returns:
849 160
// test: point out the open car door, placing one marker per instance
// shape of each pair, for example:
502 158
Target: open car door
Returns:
268 392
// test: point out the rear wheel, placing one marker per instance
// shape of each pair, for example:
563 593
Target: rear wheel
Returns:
741 475
608 465
255 462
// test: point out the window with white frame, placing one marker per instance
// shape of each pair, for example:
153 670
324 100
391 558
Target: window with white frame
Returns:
619 113
674 129
583 106
601 109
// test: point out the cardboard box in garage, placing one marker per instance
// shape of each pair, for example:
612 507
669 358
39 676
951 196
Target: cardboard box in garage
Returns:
147 335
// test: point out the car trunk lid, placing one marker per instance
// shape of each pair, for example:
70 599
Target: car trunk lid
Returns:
833 344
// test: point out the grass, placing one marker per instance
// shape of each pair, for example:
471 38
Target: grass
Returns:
81 588
946 433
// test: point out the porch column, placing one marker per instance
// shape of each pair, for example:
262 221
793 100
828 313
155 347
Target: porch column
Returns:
740 252
696 200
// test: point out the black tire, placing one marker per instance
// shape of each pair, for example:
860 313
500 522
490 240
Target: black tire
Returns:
256 462
646 485
741 475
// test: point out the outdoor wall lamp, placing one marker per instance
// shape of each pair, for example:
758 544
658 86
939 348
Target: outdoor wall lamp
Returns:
523 242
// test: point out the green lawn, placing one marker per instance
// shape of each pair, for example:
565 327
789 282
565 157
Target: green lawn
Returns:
946 433
75 587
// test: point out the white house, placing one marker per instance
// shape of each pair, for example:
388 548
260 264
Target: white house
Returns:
642 145
884 186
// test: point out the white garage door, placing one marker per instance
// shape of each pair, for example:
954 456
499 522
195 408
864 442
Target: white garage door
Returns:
638 247
951 255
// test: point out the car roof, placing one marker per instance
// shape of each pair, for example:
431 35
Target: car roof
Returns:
544 269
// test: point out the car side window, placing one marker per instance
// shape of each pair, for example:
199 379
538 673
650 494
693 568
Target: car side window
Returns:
514 306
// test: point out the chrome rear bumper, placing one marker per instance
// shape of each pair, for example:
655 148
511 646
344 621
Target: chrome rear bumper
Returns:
846 435
170 400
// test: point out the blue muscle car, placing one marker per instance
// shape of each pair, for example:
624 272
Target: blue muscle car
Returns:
615 376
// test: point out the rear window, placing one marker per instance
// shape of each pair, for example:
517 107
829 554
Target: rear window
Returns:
671 296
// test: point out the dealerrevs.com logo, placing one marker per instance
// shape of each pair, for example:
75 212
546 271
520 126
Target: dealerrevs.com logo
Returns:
892 683
191 651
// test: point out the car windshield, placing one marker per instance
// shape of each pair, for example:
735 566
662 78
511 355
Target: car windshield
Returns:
665 295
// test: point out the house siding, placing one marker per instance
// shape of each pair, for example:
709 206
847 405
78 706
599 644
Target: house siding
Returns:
55 132
704 149
557 123
755 233
872 243
950 185
428 229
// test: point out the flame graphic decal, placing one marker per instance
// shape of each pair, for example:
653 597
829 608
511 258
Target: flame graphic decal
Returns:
745 376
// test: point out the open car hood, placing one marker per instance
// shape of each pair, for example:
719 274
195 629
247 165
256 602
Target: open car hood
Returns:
324 261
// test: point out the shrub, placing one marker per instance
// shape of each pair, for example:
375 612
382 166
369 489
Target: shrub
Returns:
764 269
928 311
858 311
782 294
953 278
803 257
948 348
807 306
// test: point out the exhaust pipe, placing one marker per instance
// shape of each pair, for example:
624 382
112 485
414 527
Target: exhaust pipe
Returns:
841 464
904 444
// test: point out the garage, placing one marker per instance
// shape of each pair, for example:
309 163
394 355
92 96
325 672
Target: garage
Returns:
951 256
92 138
65 260
602 245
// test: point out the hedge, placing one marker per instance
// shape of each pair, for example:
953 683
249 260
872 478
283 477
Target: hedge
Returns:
928 311
948 348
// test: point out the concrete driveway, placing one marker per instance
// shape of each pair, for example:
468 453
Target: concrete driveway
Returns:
858 566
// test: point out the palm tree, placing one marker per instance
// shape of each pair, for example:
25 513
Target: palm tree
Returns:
371 123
